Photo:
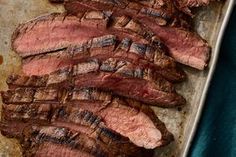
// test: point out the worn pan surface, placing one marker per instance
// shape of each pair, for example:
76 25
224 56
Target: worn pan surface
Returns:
210 23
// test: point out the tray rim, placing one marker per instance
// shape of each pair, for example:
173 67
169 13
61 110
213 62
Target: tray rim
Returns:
212 68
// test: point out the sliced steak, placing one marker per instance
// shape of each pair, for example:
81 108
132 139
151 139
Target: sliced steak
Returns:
34 138
93 74
103 48
138 89
132 119
185 46
31 38
161 13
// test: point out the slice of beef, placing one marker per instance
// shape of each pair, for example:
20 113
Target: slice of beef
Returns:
160 13
33 138
132 119
56 31
103 48
92 74
185 46
31 38
142 90
92 126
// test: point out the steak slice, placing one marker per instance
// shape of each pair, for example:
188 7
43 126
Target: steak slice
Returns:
34 138
31 38
92 126
184 46
132 119
160 13
103 48
138 89
92 74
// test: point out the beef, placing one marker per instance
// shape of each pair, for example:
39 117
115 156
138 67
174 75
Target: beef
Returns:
103 48
142 90
161 13
184 46
80 106
31 38
93 74
34 138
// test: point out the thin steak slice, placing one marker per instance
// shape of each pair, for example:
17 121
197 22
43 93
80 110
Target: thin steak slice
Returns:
145 91
84 121
92 74
35 137
103 48
184 46
160 13
132 119
57 31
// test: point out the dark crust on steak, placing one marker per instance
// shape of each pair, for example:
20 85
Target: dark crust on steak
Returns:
80 25
32 136
80 76
185 46
159 13
74 108
102 48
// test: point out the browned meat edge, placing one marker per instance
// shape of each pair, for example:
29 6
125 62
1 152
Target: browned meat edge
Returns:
185 46
32 136
102 48
71 30
90 74
99 103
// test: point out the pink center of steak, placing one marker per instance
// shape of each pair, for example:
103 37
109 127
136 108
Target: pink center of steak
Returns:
136 126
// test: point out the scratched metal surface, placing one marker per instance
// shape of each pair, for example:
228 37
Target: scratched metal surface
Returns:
208 22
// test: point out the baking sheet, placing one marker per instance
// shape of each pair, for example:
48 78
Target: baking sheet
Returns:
209 22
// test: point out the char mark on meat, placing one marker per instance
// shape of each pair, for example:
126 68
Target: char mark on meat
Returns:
185 46
81 107
34 137
103 48
93 74
159 13
76 30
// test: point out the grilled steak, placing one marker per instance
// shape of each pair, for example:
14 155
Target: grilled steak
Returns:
185 46
71 30
132 120
93 74
160 13
34 140
102 48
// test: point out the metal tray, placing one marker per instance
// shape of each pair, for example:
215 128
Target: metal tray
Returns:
210 23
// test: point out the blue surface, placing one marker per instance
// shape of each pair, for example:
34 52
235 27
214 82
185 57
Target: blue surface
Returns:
216 135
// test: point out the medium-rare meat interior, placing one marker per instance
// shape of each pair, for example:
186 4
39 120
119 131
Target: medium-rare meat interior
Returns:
185 46
92 74
132 119
135 54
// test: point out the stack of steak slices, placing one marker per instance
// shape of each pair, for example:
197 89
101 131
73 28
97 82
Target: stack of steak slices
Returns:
89 76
